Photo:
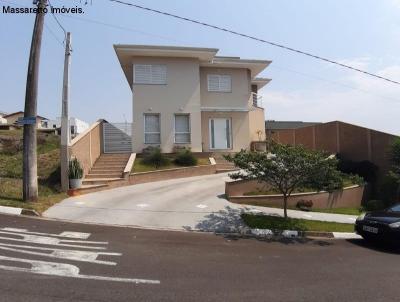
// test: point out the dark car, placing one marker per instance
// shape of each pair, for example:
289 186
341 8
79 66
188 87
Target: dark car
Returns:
380 225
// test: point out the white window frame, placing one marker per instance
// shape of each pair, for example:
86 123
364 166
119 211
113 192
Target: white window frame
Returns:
144 128
152 80
219 89
190 129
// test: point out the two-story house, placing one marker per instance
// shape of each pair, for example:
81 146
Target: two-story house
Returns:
187 96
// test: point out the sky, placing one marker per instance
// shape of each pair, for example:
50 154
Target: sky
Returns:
362 33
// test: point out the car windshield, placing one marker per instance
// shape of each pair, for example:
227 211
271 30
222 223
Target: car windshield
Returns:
395 208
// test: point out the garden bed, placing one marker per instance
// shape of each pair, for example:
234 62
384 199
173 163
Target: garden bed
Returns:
141 166
280 223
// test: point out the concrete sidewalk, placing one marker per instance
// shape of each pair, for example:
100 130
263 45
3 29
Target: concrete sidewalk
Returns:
193 203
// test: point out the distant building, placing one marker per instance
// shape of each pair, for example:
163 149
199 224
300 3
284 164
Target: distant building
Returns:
77 126
3 121
12 119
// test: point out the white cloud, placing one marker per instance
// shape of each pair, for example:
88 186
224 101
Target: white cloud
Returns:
372 103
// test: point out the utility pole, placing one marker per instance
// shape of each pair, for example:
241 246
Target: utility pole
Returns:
30 183
65 130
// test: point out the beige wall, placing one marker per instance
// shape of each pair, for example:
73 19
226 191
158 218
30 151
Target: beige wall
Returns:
240 129
348 197
350 141
241 88
256 123
87 146
11 120
180 95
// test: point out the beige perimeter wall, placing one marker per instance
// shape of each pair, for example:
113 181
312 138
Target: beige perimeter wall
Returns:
87 146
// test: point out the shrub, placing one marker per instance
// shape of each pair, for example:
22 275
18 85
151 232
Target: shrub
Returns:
185 158
374 205
75 170
365 169
154 157
389 189
304 204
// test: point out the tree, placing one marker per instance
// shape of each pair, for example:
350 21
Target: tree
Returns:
287 168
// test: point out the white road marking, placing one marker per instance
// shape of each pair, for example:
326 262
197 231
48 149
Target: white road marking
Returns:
74 235
307 215
352 219
202 206
57 240
142 205
42 239
63 270
79 202
85 256
254 211
47 242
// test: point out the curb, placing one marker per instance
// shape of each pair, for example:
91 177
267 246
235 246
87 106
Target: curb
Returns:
246 232
18 211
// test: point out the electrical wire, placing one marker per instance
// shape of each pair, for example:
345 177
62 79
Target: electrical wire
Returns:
54 35
58 22
256 39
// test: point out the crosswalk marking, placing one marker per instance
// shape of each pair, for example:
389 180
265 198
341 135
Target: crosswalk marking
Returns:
56 246
63 270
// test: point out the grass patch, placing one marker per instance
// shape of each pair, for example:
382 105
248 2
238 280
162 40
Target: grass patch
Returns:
11 170
346 211
140 166
280 223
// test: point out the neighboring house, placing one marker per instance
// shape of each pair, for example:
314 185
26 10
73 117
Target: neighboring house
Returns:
351 142
77 126
12 119
186 96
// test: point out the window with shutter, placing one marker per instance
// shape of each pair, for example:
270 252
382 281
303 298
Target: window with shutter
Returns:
182 128
152 128
150 74
219 83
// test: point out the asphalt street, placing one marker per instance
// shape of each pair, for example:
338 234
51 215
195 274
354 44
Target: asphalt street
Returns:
44 260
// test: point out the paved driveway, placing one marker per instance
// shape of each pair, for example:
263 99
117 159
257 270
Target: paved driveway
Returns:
193 203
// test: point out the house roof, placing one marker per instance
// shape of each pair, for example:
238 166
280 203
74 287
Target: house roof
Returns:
284 125
22 112
260 82
206 56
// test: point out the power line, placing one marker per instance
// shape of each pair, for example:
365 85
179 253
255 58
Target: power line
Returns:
333 82
54 35
58 22
118 27
256 39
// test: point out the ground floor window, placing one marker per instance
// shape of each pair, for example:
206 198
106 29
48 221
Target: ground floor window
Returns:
220 133
182 128
152 128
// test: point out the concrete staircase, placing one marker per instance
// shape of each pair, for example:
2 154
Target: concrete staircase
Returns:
222 164
108 167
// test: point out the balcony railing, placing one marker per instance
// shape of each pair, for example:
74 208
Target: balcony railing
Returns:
256 100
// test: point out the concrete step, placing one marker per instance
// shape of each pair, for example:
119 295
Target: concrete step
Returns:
103 170
226 170
100 181
103 175
111 160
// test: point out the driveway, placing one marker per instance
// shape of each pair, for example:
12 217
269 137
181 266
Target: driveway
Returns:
193 203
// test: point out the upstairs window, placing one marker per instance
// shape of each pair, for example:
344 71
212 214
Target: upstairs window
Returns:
150 74
182 128
219 83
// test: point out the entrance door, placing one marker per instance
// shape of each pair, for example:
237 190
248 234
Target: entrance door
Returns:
220 133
